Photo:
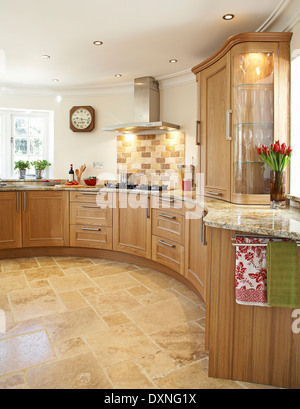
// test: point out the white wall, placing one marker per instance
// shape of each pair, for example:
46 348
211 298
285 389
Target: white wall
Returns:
295 105
75 147
178 105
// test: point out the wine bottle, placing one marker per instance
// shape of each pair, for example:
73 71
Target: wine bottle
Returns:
71 174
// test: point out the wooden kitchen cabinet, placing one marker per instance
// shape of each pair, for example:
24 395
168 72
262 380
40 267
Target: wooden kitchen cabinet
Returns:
244 102
168 226
132 224
10 220
215 146
168 253
45 218
196 250
91 220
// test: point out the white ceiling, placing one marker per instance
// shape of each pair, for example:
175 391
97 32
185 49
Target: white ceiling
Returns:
139 38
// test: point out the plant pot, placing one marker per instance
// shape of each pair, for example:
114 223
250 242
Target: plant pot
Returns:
38 173
22 173
278 189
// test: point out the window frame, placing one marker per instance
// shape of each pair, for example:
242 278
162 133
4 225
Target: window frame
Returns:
7 140
295 127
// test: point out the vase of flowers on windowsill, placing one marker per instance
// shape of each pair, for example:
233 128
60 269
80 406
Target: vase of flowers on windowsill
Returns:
39 166
277 157
22 166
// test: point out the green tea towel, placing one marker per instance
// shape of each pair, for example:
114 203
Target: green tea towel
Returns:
282 274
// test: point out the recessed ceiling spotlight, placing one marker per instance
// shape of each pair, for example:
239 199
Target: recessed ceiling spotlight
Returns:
118 75
98 42
46 57
228 17
173 61
55 80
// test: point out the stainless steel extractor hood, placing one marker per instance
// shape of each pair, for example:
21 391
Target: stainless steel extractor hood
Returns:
146 111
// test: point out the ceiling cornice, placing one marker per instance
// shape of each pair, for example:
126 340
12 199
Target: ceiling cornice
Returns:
167 81
284 17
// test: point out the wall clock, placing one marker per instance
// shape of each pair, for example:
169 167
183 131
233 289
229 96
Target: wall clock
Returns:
82 119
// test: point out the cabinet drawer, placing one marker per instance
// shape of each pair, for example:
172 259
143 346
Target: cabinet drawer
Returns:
168 203
91 197
91 237
91 214
168 225
169 253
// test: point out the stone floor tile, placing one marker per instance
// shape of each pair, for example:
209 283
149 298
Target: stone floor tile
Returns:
12 281
71 347
71 324
132 327
18 264
13 382
78 372
193 377
115 319
22 327
166 314
43 273
70 262
110 303
152 279
45 261
24 351
128 375
119 344
34 303
71 282
157 364
184 344
73 300
115 282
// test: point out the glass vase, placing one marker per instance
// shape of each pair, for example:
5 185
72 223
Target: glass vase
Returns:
278 189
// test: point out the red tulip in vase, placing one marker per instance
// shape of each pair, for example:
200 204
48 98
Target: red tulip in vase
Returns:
276 156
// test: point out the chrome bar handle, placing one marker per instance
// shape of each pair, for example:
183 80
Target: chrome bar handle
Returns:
91 207
213 193
167 216
18 202
228 124
162 199
91 228
203 230
167 244
24 203
198 133
147 207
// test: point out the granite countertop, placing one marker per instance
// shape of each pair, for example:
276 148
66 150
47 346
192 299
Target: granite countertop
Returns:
252 219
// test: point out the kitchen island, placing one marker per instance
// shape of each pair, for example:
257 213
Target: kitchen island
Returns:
181 234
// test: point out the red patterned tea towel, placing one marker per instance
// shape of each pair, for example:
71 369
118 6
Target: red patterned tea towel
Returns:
251 272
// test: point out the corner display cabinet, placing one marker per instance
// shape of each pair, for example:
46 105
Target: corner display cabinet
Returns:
244 102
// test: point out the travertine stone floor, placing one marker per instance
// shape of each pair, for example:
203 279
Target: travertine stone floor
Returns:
86 323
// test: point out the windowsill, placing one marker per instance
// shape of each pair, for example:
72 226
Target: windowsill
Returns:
294 198
27 179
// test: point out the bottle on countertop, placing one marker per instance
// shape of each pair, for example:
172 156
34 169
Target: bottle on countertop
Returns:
71 174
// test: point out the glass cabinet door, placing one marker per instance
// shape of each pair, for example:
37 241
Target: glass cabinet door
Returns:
253 120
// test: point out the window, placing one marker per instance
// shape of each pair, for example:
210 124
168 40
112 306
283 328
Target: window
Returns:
24 136
295 127
1 147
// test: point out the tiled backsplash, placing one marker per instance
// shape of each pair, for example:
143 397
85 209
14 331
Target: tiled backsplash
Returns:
151 154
